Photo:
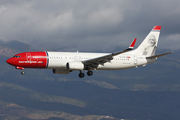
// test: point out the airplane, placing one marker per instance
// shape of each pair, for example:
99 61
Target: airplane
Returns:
66 62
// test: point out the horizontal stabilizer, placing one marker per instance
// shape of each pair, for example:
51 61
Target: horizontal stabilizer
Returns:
160 55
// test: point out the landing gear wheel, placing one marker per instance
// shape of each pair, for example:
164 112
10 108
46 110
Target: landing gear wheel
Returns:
81 75
89 73
22 72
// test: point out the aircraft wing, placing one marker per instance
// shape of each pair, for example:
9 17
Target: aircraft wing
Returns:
93 63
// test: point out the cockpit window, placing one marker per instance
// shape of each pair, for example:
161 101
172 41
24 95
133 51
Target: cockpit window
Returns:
17 56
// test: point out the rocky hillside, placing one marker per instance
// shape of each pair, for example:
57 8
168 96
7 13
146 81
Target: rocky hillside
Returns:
7 52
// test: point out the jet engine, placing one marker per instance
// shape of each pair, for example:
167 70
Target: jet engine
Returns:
76 65
60 71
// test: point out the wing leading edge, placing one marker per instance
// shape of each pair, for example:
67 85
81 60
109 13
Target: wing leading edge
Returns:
93 63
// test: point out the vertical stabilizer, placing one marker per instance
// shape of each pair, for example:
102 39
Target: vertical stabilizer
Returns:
148 46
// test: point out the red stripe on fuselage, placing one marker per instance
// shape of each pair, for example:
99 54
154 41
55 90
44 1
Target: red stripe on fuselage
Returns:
29 60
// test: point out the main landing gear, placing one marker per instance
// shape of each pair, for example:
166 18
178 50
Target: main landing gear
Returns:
81 75
89 73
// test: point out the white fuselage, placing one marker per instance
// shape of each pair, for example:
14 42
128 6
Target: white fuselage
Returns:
58 60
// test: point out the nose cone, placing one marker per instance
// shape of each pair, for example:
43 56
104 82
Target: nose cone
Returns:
9 61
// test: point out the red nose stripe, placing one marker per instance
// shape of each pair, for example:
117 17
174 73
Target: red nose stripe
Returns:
29 60
36 60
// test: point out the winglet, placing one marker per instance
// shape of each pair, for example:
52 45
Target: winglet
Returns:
132 44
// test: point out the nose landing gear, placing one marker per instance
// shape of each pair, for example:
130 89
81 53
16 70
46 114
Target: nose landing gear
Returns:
22 72
20 68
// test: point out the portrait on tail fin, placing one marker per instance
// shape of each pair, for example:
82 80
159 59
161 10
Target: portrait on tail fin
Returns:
151 48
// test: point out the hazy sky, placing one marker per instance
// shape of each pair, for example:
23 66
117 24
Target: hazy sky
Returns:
89 24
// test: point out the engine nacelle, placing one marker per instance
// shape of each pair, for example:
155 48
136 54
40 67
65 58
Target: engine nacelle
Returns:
76 65
60 71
